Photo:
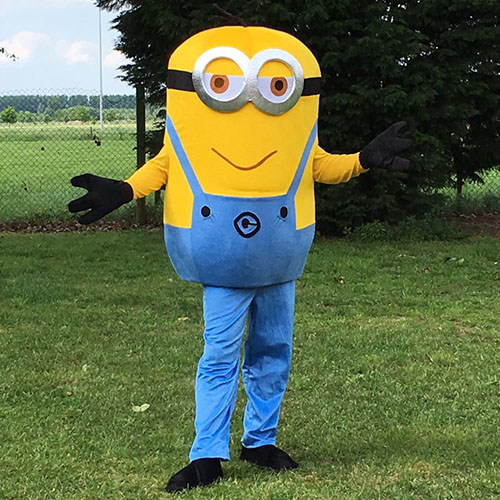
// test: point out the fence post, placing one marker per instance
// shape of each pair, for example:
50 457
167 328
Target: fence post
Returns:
460 184
141 145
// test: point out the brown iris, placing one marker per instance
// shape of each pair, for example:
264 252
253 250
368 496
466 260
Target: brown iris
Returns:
279 86
219 83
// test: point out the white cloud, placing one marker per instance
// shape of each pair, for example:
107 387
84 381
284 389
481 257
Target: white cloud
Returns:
115 59
77 52
25 44
56 42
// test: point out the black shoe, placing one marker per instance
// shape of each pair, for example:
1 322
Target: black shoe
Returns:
201 472
268 456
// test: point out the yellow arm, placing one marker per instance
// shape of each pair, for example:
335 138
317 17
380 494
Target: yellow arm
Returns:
151 176
334 169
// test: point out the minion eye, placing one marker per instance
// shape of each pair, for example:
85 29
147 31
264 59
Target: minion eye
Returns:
223 88
219 91
276 95
276 89
227 93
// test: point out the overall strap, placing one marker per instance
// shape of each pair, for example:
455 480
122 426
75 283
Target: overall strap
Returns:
194 184
294 186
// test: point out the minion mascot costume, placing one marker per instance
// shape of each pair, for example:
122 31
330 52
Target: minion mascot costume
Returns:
239 162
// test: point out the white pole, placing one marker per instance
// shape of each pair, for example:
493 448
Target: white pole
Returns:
101 115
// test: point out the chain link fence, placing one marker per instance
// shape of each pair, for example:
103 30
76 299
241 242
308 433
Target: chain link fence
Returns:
48 137
478 196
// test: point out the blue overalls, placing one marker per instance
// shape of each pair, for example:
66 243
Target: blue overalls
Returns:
247 253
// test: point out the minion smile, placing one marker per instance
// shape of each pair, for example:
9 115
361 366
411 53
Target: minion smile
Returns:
251 167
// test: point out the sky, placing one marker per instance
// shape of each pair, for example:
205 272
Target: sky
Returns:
56 43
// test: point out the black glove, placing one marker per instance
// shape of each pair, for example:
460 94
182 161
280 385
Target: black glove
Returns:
383 150
104 196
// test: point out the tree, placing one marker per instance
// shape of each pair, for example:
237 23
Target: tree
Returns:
79 113
434 64
61 115
112 115
78 100
40 110
26 117
462 46
8 115
56 102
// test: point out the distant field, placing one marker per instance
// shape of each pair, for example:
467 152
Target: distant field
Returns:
37 162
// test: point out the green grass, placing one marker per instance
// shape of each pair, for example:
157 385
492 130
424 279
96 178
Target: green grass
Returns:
38 161
394 393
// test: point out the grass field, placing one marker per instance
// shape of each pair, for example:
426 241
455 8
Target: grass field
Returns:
394 394
38 161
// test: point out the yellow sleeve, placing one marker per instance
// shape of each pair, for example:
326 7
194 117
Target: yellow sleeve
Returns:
151 176
334 169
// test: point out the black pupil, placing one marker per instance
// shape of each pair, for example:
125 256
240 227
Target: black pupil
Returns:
219 82
278 84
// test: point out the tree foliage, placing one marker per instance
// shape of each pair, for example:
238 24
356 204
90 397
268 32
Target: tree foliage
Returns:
461 44
433 63
8 115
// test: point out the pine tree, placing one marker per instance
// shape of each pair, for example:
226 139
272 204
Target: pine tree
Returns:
433 63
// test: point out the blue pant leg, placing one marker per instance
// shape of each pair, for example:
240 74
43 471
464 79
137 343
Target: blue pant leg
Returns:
266 365
225 312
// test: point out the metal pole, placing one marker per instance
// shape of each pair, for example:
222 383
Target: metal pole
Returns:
141 145
101 115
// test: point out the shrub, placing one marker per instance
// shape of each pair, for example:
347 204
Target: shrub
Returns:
26 117
429 228
81 113
8 115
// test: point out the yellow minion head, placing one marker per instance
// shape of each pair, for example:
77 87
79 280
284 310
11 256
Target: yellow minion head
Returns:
243 101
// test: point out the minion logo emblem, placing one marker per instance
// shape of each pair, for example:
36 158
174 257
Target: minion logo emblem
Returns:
247 224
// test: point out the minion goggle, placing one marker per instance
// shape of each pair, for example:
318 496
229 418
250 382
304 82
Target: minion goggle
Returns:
227 93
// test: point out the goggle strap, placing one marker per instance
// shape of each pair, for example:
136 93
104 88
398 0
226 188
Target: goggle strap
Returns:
183 80
312 86
180 80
